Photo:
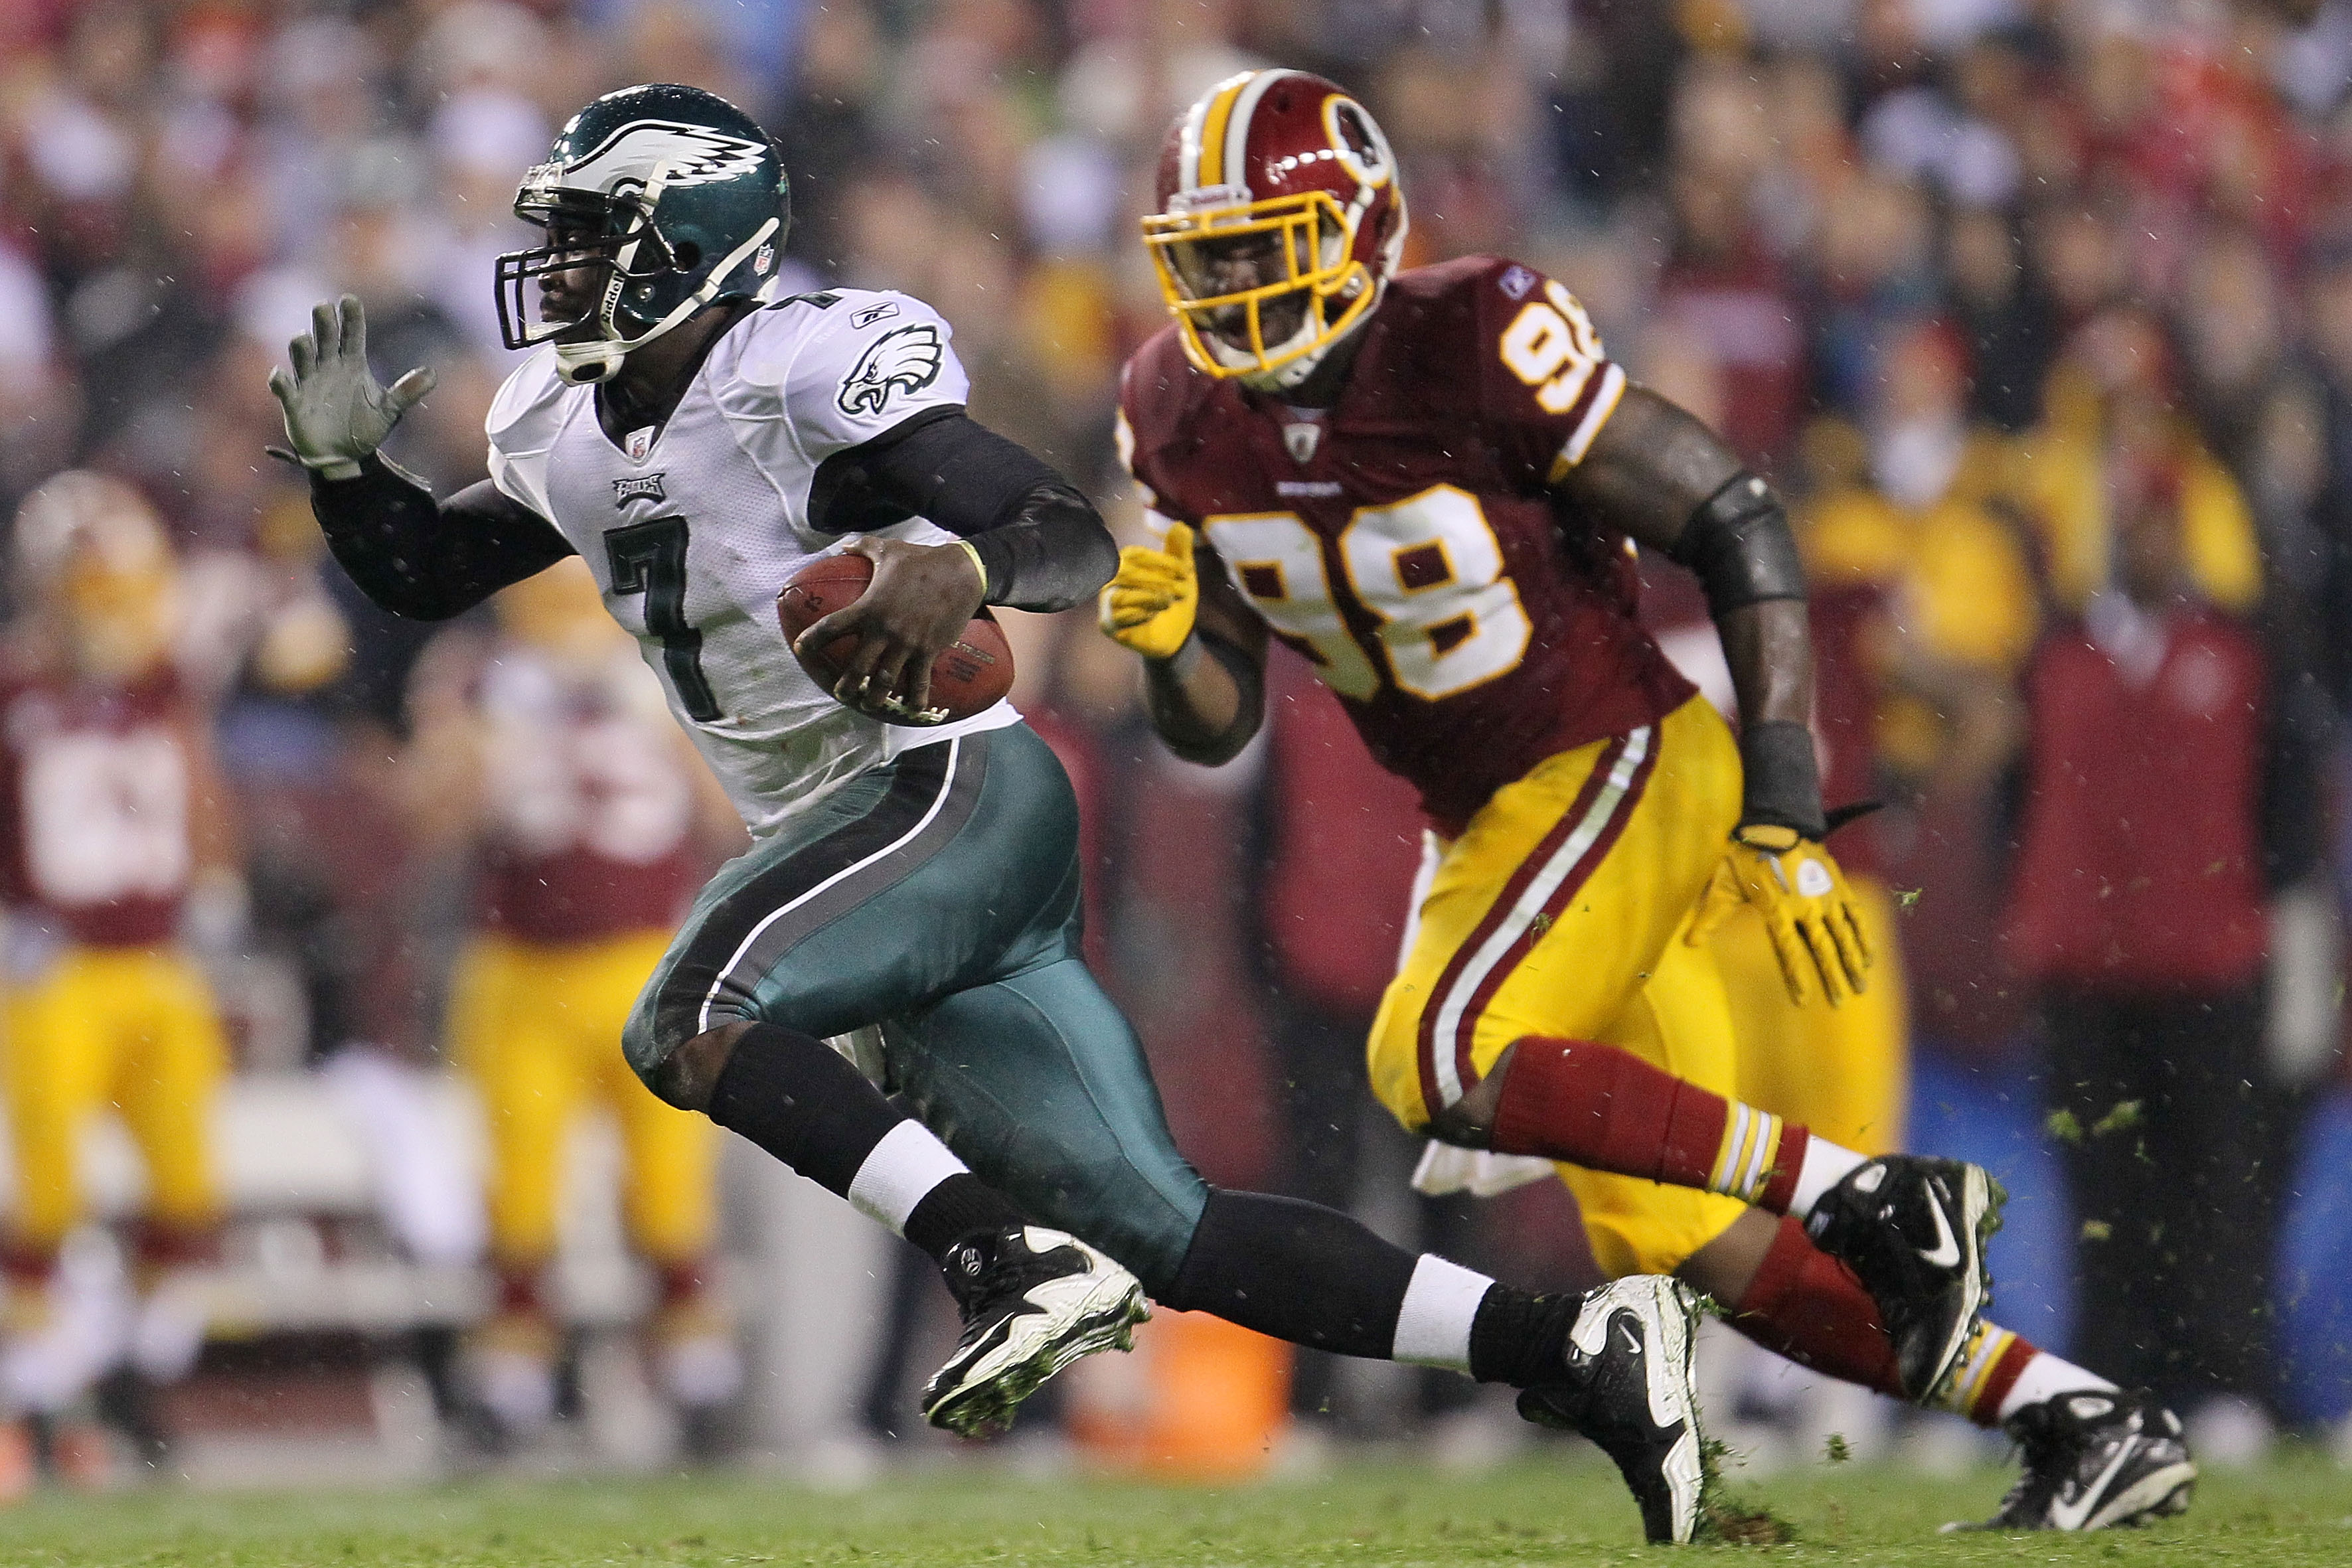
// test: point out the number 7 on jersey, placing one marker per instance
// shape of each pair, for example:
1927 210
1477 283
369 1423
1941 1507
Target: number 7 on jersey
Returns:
649 558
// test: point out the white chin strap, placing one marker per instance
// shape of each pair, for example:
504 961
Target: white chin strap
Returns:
582 364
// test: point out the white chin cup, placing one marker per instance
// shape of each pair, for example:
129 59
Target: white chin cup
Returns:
1283 377
584 365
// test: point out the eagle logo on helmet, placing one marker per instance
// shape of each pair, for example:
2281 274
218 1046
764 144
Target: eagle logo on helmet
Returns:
910 357
681 155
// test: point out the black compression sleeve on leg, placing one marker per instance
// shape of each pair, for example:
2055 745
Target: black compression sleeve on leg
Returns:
1297 1271
801 1101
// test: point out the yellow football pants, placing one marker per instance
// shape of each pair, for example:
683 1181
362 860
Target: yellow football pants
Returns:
132 1030
1562 910
1841 1071
537 1028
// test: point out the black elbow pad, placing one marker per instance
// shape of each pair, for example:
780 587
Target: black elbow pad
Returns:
1739 545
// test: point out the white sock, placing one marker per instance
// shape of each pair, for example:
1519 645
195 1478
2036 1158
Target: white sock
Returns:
1440 1304
2047 1377
900 1173
1826 1165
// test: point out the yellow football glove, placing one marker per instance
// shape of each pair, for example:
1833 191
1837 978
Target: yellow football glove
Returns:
1150 605
1806 907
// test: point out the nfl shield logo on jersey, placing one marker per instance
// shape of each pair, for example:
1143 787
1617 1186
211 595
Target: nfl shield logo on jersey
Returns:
1302 438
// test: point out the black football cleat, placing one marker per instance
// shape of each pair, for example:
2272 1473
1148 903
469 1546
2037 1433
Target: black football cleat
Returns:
1913 1231
1630 1388
1033 1300
2095 1461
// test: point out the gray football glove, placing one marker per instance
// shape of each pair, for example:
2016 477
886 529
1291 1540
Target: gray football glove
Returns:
336 414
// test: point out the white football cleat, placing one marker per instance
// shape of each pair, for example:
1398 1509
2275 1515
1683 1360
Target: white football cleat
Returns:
1034 1301
1629 1386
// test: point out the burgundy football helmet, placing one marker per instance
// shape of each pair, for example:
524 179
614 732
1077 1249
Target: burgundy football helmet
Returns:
1291 157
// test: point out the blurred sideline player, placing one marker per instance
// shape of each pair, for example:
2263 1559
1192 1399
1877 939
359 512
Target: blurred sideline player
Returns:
590 816
1457 568
114 817
700 444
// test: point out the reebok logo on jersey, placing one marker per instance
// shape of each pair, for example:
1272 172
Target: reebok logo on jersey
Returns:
1515 281
910 357
639 486
873 313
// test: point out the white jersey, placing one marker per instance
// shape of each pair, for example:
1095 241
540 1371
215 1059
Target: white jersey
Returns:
694 528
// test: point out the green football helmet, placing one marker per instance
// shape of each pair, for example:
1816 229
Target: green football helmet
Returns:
677 191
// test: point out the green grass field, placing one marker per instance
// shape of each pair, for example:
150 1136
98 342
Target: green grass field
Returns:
2296 1512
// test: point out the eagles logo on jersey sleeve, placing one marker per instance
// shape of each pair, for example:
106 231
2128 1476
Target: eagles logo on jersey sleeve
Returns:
904 360
870 362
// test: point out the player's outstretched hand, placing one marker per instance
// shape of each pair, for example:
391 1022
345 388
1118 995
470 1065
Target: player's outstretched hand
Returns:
920 599
1150 605
336 412
1807 905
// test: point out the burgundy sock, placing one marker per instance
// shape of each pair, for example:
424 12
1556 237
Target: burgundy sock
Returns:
1607 1109
1806 1306
1984 1405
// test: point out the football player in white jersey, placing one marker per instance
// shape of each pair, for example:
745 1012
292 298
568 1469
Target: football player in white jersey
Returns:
919 886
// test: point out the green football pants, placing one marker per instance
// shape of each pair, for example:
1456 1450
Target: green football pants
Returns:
936 896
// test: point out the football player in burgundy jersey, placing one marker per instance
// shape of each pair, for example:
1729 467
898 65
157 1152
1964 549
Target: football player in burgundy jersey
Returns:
548 756
114 818
698 442
1430 483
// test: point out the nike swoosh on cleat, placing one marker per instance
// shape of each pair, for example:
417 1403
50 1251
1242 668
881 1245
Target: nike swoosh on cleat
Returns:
2065 1516
1945 1253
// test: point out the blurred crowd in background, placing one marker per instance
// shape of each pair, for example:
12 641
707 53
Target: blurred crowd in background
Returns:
2038 312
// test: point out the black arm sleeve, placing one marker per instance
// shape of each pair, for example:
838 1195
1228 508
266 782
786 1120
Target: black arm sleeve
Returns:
1042 544
426 560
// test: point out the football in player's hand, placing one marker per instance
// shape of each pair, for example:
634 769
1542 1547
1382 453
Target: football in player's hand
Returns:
973 673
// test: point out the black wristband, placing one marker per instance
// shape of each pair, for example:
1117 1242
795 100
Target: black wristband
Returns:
1739 545
1781 780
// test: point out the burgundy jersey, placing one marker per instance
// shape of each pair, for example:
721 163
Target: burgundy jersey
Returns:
1405 540
98 789
2139 865
590 800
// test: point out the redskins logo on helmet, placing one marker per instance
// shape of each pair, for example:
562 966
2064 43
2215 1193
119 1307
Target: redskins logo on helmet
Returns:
1279 224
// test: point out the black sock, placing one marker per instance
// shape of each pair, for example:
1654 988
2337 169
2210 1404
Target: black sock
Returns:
1297 1271
803 1102
1519 1338
954 1209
